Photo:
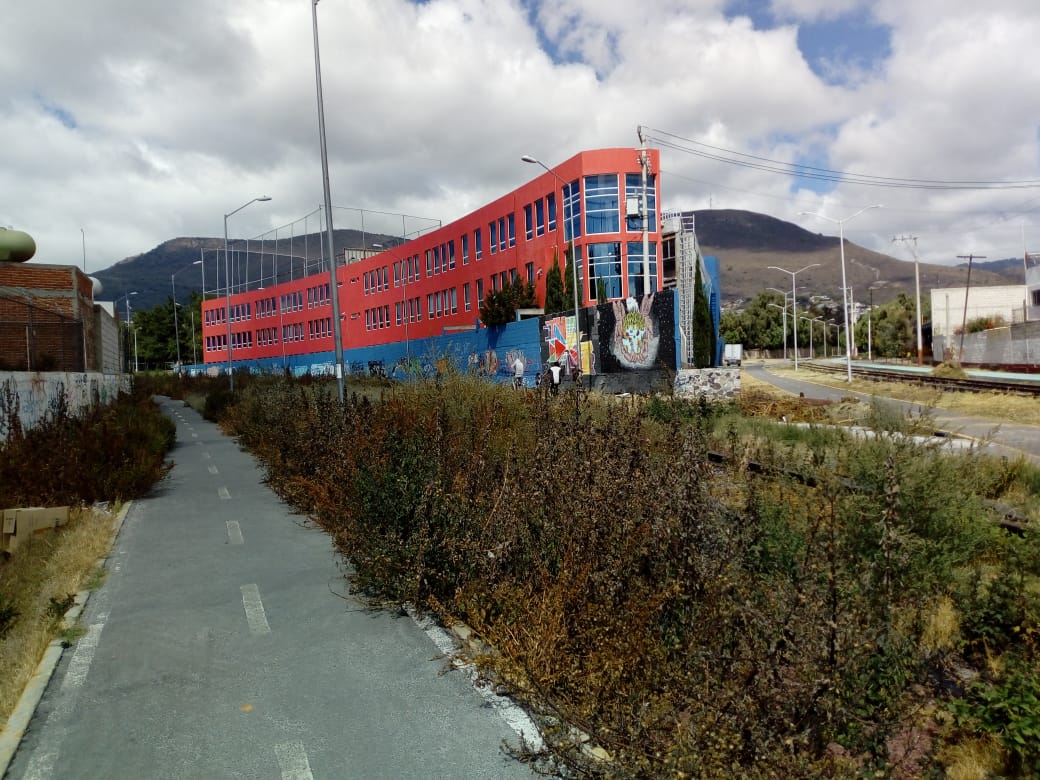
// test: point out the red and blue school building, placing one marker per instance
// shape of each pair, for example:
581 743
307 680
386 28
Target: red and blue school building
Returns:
415 304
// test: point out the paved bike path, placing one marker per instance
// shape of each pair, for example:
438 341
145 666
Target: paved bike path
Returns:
1001 438
219 648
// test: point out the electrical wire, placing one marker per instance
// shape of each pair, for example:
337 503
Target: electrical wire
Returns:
707 151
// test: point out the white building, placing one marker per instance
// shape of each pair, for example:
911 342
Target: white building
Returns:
1005 301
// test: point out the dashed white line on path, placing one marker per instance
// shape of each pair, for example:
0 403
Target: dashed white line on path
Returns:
255 615
292 760
234 532
212 469
206 455
45 756
223 493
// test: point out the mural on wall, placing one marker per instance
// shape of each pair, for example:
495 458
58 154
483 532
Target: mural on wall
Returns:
560 337
637 334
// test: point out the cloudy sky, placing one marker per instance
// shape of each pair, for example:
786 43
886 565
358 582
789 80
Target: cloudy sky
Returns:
124 123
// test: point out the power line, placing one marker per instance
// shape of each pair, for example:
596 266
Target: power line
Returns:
798 170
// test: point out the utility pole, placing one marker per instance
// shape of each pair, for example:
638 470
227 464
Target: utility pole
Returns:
967 290
912 241
644 170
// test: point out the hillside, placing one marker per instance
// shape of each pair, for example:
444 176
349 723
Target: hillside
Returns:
148 274
747 243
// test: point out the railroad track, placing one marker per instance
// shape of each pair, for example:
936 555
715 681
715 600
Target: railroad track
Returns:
969 385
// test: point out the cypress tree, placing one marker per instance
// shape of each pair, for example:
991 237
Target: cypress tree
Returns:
703 327
554 287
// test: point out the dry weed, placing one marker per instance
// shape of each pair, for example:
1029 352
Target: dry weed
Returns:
40 573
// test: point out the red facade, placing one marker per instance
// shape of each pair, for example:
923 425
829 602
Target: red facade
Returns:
436 282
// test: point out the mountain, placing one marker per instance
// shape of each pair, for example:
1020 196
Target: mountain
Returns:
148 274
747 243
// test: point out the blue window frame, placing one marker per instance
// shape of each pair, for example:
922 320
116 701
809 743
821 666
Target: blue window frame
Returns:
635 268
451 254
605 266
478 244
512 229
551 202
492 237
436 259
502 240
572 211
528 224
539 215
634 189
465 248
602 213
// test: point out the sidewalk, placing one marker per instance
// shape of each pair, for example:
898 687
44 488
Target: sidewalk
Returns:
223 644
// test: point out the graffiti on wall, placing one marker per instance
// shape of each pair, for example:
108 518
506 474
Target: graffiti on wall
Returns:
560 337
637 334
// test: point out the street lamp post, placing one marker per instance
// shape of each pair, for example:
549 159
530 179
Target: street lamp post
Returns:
783 310
845 300
794 303
176 324
127 297
227 286
337 332
574 257
810 321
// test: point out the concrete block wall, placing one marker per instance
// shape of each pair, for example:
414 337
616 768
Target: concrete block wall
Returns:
715 384
37 393
1014 348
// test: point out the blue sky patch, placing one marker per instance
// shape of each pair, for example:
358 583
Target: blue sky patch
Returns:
837 50
56 111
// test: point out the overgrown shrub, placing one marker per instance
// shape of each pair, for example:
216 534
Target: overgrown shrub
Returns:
686 617
112 452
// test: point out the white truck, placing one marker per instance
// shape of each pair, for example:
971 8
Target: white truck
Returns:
733 354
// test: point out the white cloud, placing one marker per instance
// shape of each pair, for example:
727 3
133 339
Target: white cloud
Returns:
176 113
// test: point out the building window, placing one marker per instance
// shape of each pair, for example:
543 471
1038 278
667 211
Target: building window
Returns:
454 300
605 267
480 293
634 189
397 307
429 263
492 237
451 254
465 248
551 201
539 215
502 240
478 244
635 269
571 211
397 274
528 222
429 304
465 295
530 272
512 229
601 204
436 260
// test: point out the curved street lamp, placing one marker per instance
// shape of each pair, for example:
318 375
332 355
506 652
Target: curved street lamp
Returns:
794 303
227 285
844 287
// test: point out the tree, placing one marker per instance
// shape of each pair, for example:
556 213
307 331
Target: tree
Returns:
568 275
500 307
555 301
703 326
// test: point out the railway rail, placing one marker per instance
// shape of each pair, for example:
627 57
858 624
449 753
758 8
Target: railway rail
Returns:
968 385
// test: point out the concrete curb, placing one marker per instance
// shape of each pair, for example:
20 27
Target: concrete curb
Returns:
18 722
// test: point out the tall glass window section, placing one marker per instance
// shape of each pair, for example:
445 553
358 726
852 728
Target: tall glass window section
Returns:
602 214
635 268
572 211
605 267
634 189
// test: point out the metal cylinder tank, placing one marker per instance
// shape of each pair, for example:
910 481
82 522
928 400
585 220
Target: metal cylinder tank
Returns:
16 246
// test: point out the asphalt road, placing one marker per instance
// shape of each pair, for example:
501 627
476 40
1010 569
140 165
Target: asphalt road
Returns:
1000 438
219 648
